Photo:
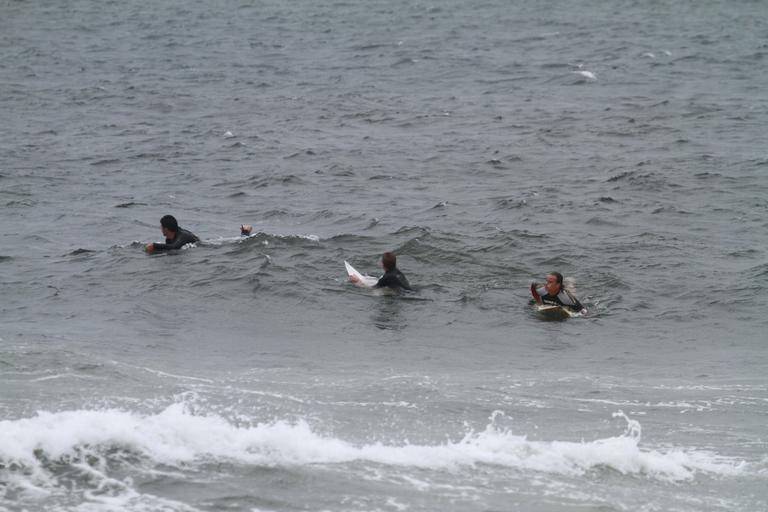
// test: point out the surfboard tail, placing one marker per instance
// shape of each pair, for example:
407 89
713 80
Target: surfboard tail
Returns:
359 279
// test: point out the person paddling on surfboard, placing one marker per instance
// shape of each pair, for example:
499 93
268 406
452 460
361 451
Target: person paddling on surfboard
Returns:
392 277
175 237
553 292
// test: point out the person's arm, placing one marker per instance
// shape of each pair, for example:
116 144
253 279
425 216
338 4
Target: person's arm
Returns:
156 247
180 241
160 247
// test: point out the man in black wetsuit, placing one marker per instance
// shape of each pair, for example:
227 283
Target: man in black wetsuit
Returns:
175 237
392 277
553 292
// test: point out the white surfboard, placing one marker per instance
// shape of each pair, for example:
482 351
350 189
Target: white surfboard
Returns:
553 312
361 281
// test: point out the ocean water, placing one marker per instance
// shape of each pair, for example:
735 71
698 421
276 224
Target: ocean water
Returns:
486 143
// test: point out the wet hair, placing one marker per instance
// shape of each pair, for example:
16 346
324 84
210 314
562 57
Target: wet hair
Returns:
558 277
389 260
169 222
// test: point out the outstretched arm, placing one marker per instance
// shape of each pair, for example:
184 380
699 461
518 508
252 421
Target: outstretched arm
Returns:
177 244
182 239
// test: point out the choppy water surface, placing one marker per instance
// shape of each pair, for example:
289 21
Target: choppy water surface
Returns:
486 144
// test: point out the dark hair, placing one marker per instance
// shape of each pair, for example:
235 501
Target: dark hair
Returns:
558 277
169 222
389 260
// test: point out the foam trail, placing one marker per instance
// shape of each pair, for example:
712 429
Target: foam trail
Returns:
175 436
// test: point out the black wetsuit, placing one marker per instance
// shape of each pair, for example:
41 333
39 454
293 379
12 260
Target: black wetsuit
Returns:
563 298
394 279
183 237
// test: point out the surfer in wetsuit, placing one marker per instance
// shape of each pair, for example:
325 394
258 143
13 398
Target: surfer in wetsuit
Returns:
392 278
553 292
175 237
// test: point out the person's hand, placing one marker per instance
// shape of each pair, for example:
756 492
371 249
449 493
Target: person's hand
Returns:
354 279
245 229
536 296
150 248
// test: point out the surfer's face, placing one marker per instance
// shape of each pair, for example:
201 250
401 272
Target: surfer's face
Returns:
552 286
167 233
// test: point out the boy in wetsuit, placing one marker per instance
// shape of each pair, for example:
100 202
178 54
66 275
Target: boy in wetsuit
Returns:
175 237
553 292
392 277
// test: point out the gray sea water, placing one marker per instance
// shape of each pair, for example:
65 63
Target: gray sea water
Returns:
486 143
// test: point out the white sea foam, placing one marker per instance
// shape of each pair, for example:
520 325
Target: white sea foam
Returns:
175 435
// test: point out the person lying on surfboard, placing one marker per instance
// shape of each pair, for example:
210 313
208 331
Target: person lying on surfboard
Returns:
554 292
392 277
175 237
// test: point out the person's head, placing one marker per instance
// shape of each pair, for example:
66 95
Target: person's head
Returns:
554 283
389 261
169 226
